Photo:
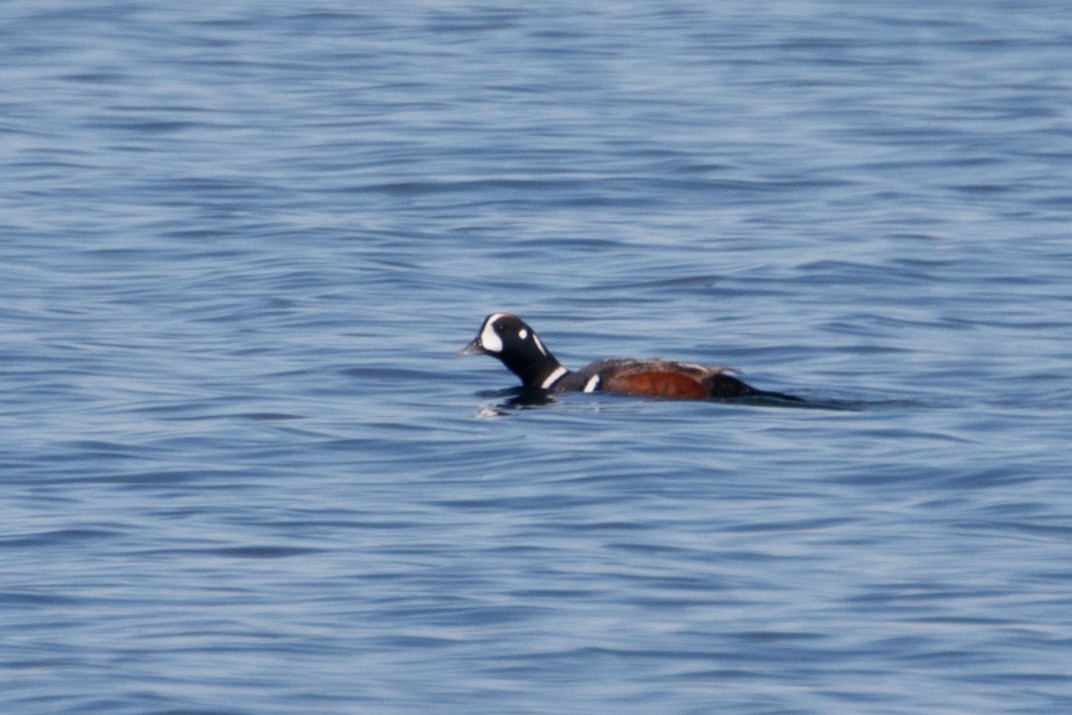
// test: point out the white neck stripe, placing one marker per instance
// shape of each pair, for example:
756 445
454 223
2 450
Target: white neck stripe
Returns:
553 377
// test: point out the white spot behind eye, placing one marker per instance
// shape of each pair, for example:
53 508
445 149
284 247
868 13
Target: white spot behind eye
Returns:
523 334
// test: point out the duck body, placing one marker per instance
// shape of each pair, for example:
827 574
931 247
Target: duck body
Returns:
510 340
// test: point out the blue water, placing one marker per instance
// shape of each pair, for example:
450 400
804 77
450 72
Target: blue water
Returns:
242 471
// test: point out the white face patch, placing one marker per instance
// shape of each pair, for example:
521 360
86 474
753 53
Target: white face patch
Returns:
592 384
489 339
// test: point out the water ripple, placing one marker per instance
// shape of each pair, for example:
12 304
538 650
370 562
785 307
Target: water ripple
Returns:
244 473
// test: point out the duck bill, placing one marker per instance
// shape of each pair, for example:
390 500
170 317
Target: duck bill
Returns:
473 348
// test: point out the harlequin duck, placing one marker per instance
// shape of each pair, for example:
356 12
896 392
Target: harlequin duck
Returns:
512 341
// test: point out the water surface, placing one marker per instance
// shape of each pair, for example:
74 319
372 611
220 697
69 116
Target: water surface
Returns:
244 473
